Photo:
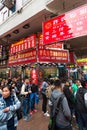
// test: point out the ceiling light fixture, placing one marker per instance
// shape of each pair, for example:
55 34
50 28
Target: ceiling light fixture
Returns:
26 26
8 36
16 31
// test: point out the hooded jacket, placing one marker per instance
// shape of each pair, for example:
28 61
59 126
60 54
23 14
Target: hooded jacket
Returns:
64 115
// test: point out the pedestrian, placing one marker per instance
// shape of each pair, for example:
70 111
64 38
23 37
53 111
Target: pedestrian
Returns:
75 86
69 95
44 98
49 88
34 97
9 103
25 93
63 117
81 105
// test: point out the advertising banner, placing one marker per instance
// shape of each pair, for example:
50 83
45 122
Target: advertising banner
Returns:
46 55
66 26
22 58
52 46
82 62
27 43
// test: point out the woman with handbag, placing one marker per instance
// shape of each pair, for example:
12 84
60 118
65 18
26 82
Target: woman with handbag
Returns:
9 103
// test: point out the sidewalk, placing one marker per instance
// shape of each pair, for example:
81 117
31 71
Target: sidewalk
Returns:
37 122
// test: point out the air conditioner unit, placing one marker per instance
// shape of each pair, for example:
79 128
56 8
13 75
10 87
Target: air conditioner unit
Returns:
8 3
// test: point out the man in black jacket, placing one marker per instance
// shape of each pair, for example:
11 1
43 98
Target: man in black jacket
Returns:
69 95
81 104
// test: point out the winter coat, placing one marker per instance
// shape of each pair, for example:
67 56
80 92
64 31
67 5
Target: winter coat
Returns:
5 116
69 95
64 115
81 100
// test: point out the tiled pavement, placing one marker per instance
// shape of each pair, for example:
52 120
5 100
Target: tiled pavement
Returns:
37 122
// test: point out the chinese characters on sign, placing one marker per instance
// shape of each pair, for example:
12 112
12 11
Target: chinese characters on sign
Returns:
54 46
27 43
66 26
45 55
22 58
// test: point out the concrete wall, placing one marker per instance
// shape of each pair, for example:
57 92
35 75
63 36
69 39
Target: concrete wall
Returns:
27 11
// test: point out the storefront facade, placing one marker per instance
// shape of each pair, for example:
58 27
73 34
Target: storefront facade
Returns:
35 61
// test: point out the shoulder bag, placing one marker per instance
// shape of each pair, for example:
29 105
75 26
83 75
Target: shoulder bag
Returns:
52 121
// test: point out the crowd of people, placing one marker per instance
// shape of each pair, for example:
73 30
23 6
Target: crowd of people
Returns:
16 93
73 104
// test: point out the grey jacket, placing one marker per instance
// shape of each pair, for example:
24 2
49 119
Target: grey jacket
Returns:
64 114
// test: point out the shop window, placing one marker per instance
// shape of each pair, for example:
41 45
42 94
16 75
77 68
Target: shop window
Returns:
52 71
62 71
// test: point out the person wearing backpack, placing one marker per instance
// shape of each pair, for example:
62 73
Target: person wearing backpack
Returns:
81 104
63 118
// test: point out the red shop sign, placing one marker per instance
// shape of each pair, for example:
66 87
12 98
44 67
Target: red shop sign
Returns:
22 58
52 46
55 46
46 55
27 43
82 64
31 41
72 57
66 26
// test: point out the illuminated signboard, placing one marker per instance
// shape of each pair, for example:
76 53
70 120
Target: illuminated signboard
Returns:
82 62
46 55
22 58
27 43
66 26
54 46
